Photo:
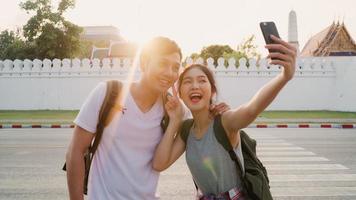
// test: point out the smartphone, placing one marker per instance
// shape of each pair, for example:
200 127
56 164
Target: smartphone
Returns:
268 29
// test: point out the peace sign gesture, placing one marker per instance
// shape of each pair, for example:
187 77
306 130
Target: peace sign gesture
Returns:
174 107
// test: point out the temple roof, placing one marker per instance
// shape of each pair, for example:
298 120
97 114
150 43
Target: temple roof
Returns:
333 40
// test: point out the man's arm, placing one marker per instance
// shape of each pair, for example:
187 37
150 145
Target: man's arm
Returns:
75 162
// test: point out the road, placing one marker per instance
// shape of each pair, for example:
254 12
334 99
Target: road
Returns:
302 164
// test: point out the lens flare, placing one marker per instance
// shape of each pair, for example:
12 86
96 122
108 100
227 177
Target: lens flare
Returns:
130 76
208 164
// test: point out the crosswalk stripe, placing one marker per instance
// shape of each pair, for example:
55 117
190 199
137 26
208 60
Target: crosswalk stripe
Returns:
279 148
313 177
305 167
293 159
281 158
266 141
286 153
262 144
313 191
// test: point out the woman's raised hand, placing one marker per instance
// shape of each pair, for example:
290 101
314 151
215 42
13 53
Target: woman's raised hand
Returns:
284 54
174 108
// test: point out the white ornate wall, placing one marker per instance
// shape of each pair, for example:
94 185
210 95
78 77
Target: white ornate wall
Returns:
319 84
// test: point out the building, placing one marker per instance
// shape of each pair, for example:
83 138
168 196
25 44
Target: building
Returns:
101 33
293 30
122 49
335 40
99 53
109 36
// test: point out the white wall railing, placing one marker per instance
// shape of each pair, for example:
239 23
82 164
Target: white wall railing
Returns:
320 83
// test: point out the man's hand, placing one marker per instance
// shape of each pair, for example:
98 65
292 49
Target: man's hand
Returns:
218 109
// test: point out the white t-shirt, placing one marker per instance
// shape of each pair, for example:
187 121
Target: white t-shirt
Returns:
121 167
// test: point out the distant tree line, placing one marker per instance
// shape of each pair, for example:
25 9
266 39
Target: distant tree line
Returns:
246 49
47 34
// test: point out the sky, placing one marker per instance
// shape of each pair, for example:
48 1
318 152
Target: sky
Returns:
194 24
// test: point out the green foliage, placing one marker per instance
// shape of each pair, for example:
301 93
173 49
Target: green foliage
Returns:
246 49
249 49
215 52
194 56
237 55
53 36
64 5
12 46
85 49
45 35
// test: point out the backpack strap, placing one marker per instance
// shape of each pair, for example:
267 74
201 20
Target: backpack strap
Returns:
222 138
106 112
165 119
185 129
113 89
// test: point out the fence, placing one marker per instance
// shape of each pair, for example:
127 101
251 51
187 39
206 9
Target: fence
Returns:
320 83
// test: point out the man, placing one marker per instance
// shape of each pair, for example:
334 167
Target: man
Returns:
121 167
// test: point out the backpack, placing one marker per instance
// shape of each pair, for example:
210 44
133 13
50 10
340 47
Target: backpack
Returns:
107 110
255 180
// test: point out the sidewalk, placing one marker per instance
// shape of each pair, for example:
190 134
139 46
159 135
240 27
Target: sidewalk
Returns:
41 121
258 123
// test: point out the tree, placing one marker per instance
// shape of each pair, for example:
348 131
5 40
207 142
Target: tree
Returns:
49 32
12 46
195 56
246 49
215 52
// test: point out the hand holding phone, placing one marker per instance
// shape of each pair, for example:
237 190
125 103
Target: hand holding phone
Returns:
280 52
268 29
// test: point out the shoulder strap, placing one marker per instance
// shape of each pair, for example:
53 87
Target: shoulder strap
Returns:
165 119
185 128
113 89
112 92
249 142
221 137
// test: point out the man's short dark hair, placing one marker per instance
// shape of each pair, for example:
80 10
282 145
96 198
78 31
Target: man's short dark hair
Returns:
159 46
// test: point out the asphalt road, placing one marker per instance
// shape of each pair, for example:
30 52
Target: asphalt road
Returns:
302 164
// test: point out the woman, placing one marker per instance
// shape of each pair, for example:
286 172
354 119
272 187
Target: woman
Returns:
212 169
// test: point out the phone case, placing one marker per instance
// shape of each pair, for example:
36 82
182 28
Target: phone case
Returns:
269 28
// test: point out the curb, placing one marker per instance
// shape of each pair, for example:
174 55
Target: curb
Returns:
14 126
340 126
